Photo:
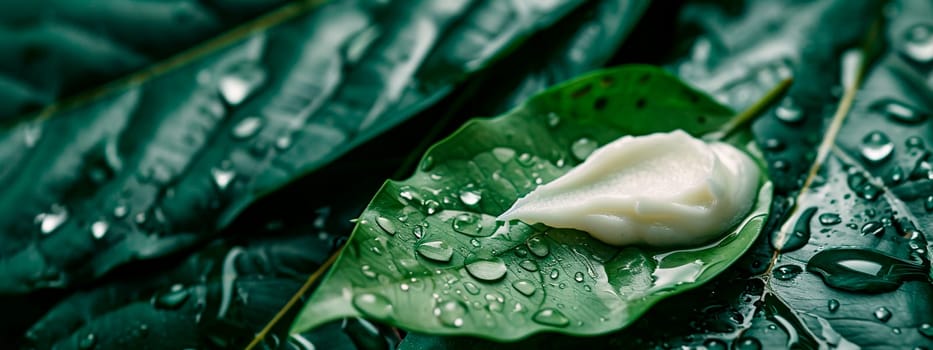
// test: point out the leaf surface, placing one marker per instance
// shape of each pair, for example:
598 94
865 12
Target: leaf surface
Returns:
428 254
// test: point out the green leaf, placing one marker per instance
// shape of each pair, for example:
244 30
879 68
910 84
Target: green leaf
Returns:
160 162
428 255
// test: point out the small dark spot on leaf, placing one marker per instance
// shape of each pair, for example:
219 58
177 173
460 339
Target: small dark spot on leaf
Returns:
644 78
640 103
701 119
600 103
582 91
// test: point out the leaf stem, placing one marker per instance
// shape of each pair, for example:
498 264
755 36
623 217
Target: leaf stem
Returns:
294 300
750 113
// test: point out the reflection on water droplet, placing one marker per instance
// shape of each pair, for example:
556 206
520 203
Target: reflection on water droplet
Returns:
538 246
926 330
832 305
435 250
788 111
872 228
862 187
367 271
468 224
503 154
919 43
578 277
799 235
526 160
240 81
120 212
51 221
773 145
99 229
485 269
829 219
418 231
747 343
283 143
373 305
247 127
583 147
470 197
471 288
898 111
863 270
431 206
787 272
173 299
876 147
87 342
882 314
715 344
450 313
554 274
553 119
222 177
528 265
526 287
551 317
914 142
386 225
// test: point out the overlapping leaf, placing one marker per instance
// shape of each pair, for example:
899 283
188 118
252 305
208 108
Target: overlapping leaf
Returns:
148 169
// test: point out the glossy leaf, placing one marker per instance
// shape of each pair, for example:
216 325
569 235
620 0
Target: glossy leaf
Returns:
428 255
148 169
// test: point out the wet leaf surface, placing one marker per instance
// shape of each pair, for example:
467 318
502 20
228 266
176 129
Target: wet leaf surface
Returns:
428 254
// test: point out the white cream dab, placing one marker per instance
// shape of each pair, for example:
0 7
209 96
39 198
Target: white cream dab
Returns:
661 190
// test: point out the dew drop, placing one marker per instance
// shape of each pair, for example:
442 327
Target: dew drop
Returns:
715 344
283 143
470 197
876 147
367 271
926 330
526 160
578 277
120 211
832 305
222 177
528 265
435 250
87 342
862 270
52 220
468 224
485 269
503 154
538 246
450 313
553 119
919 43
526 287
431 206
240 81
173 299
747 343
829 219
773 145
799 235
583 147
373 305
914 142
873 228
551 317
787 272
928 204
898 111
554 274
418 231
471 288
788 111
882 314
386 225
246 128
99 229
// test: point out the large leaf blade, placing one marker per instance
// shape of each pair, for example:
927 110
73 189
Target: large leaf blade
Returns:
428 254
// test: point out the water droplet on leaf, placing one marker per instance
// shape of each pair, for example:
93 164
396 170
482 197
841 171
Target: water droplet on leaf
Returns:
799 235
538 246
51 221
240 81
787 272
882 314
373 305
470 197
526 287
876 147
485 269
551 317
832 305
583 147
386 225
99 229
830 219
450 313
222 177
919 43
788 111
435 250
